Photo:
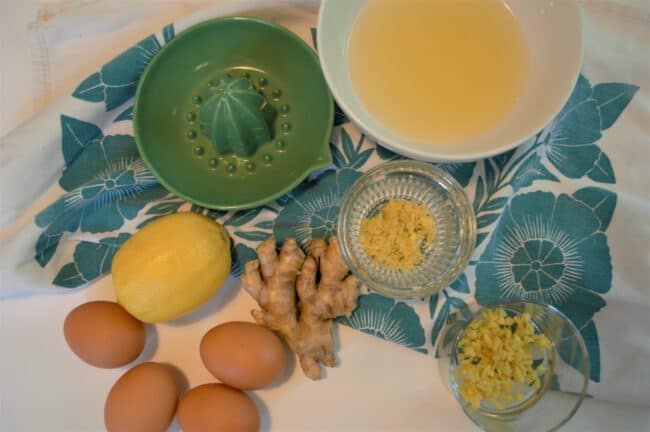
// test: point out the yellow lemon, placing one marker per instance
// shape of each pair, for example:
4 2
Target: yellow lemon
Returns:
171 266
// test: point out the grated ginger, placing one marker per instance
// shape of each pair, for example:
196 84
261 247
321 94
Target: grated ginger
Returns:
398 234
495 351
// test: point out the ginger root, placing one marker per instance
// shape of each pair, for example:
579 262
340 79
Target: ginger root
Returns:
299 304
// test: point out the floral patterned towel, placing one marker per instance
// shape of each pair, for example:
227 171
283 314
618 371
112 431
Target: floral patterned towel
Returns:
545 212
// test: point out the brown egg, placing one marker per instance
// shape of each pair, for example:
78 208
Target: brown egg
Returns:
143 399
217 407
103 334
243 355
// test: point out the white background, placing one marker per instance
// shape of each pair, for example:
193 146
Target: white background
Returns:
377 387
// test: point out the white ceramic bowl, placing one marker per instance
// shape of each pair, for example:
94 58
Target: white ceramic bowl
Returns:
553 32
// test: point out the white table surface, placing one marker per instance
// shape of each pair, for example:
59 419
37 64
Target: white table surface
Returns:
378 386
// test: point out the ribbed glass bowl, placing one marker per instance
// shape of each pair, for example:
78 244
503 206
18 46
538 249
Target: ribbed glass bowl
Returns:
421 183
564 379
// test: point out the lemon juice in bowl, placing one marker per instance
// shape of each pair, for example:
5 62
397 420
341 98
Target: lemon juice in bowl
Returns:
439 71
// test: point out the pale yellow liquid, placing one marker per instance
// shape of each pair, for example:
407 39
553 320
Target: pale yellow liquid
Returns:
438 71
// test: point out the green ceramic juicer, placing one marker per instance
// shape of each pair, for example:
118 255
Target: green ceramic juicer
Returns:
233 113
236 117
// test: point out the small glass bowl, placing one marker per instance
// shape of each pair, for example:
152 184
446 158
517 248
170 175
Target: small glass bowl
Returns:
444 260
564 378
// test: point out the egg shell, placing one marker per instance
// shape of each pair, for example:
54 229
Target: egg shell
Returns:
143 399
243 355
103 334
217 407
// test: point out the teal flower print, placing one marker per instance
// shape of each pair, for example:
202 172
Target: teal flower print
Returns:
312 209
552 250
106 182
570 145
450 307
90 261
240 255
349 155
461 171
390 320
116 81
